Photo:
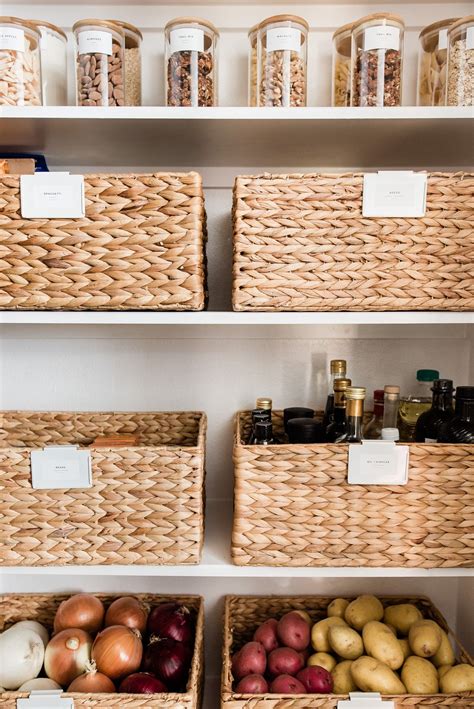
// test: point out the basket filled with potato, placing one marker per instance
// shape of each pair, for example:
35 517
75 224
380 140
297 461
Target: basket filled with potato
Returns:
307 652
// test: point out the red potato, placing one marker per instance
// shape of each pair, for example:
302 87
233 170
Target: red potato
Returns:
316 680
293 631
250 660
266 634
252 684
285 684
284 661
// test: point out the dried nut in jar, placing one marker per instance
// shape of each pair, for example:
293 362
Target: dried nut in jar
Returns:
461 63
282 41
20 69
100 63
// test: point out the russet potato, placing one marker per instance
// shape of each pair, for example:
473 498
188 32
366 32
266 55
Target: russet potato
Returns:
420 676
402 616
342 678
362 610
371 675
319 633
382 644
425 638
345 642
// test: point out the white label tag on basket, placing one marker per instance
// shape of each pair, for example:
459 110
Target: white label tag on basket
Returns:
378 463
443 39
12 38
280 38
94 42
470 38
46 699
381 37
394 194
52 195
59 467
187 39
365 700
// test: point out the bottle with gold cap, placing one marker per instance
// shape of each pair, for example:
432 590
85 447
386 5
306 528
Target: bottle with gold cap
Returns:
391 402
354 415
338 368
261 414
337 427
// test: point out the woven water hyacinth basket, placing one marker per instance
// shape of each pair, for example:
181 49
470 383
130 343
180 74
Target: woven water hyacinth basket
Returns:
293 506
146 503
243 614
301 243
42 607
140 246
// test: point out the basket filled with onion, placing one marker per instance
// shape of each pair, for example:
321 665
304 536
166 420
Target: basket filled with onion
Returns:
98 648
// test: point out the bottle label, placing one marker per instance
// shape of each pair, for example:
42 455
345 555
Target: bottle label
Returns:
431 440
381 37
470 38
95 42
281 38
187 39
12 38
443 39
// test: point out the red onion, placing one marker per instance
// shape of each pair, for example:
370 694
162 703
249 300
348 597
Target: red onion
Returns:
142 683
169 661
170 620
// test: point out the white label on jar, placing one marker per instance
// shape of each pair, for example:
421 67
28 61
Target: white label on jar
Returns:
95 42
470 38
12 38
381 37
443 39
431 440
279 38
186 39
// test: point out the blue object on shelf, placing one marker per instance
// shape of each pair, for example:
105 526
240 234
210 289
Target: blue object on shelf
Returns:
40 160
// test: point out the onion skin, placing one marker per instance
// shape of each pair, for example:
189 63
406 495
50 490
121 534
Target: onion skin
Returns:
168 660
21 657
127 611
83 611
117 651
39 683
92 682
67 655
142 683
170 620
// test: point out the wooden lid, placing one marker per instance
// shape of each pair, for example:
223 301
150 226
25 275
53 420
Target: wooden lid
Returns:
108 24
436 26
285 18
43 23
127 26
389 16
18 21
468 20
192 21
343 29
253 29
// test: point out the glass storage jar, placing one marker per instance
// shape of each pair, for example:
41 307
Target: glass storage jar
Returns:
20 63
53 51
341 65
191 62
461 62
377 58
253 66
433 63
283 41
100 65
133 63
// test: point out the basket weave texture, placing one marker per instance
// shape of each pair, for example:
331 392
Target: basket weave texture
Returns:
42 607
301 243
294 507
146 503
141 246
242 616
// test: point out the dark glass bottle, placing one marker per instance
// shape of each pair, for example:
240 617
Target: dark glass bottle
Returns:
338 369
337 427
373 429
460 429
429 423
259 415
263 434
354 416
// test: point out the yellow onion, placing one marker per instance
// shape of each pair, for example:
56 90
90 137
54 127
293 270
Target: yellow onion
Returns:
117 651
92 682
127 611
67 655
83 611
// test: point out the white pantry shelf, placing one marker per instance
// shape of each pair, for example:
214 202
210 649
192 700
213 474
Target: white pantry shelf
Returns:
407 137
217 564
207 318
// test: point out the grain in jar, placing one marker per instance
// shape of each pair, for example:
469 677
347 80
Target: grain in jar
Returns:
100 73
341 66
283 41
191 62
433 63
461 62
53 50
20 63
253 66
377 60
133 63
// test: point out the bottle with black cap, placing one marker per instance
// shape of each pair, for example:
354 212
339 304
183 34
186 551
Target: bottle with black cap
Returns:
460 429
263 434
296 412
338 426
262 413
429 423
338 368
354 415
304 430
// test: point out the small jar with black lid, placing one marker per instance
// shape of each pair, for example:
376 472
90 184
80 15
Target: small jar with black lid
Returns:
304 430
295 412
